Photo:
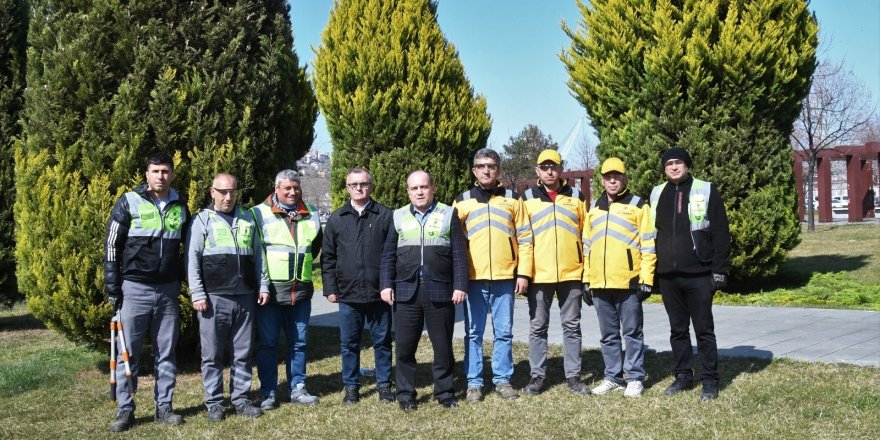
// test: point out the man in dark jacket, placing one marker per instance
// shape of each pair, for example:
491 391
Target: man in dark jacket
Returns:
350 254
142 266
424 274
693 251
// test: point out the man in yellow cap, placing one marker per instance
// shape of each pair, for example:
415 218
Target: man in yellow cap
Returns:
556 212
618 273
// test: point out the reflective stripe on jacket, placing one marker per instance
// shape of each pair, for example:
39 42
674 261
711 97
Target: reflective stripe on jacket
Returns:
498 233
693 236
288 248
556 233
142 244
425 244
698 203
224 260
619 243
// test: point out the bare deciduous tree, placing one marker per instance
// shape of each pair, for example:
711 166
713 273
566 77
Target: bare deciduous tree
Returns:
833 113
585 156
871 131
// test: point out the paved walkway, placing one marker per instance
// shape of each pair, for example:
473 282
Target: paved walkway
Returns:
815 335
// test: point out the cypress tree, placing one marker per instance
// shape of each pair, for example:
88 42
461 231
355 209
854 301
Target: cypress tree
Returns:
396 98
215 84
521 152
13 39
722 78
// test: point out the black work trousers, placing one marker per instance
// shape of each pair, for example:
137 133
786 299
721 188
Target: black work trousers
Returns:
689 299
410 318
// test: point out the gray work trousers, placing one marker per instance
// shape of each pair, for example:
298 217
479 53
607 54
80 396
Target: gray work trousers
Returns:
621 310
540 298
154 308
229 321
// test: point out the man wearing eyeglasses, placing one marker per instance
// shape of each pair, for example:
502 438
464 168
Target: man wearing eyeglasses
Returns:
291 233
225 260
693 257
500 261
556 212
350 255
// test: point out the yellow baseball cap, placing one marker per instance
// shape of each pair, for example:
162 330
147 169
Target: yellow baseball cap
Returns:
613 164
551 155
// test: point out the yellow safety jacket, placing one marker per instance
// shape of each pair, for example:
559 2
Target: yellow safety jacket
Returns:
498 233
556 233
619 243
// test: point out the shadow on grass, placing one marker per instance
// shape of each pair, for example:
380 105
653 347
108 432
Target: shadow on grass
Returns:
21 322
324 344
796 272
732 362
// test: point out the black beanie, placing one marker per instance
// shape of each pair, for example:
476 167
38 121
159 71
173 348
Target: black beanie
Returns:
676 153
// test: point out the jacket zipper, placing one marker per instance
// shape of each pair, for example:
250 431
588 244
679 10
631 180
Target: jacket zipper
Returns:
605 243
676 209
234 231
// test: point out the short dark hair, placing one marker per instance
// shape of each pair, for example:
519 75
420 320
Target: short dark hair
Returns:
159 158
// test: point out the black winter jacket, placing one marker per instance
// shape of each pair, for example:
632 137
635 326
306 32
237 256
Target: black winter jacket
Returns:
143 259
352 250
678 250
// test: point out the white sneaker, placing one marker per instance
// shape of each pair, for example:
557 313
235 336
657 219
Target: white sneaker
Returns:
605 387
301 396
634 388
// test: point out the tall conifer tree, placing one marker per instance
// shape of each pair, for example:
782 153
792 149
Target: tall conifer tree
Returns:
215 84
13 34
396 98
722 78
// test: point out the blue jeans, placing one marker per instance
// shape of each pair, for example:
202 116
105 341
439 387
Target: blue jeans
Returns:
295 322
353 317
481 297
621 311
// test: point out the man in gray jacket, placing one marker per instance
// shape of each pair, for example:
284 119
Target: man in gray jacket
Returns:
225 259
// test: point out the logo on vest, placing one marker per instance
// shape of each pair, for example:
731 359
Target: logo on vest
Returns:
172 219
698 203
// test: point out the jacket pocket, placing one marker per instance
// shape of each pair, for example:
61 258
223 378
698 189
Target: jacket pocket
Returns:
512 252
702 246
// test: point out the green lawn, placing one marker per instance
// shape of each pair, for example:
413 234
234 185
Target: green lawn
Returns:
837 266
50 388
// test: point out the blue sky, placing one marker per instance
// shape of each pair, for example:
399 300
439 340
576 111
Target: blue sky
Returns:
510 51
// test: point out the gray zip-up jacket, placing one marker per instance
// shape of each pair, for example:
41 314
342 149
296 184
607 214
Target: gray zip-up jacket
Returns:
224 260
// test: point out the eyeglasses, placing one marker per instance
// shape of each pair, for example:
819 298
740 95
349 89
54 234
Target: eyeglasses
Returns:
486 166
548 166
358 185
226 192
